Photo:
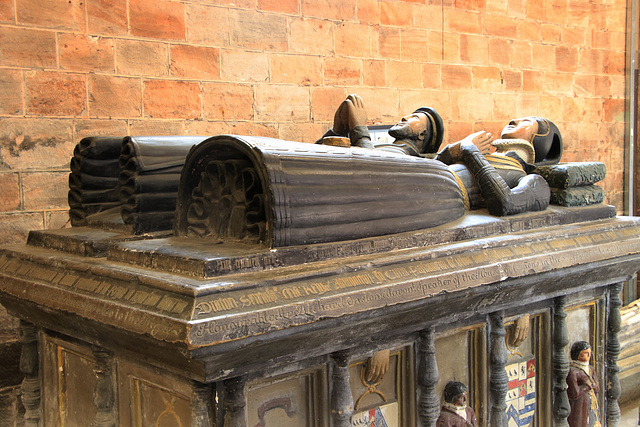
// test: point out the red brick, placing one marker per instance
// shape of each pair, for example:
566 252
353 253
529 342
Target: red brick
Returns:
550 33
584 85
500 26
254 129
487 79
614 110
573 109
329 9
207 25
93 127
389 45
614 62
447 51
535 10
414 45
353 40
342 71
55 94
427 16
14 228
60 15
431 76
566 59
471 106
579 12
85 53
35 143
111 96
551 108
140 58
170 99
602 86
195 62
528 30
410 100
543 56
368 11
57 219
45 190
225 101
27 48
573 36
504 107
244 66
325 102
516 8
281 103
601 40
618 86
556 11
532 81
311 36
301 132
521 54
397 14
107 16
282 6
593 110
203 127
157 127
299 69
500 51
256 30
404 74
512 80
456 77
470 4
10 194
6 11
375 73
474 49
463 21
381 103
11 92
160 19
455 131
526 105
559 83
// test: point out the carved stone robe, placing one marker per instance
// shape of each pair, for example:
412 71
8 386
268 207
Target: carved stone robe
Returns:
448 418
582 391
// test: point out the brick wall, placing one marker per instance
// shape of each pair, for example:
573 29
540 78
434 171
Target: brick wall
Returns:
71 68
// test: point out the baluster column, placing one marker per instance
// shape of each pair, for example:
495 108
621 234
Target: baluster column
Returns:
428 377
498 378
613 351
341 396
234 403
29 367
103 390
561 407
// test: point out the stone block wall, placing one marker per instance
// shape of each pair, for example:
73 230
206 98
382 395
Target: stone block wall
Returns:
279 68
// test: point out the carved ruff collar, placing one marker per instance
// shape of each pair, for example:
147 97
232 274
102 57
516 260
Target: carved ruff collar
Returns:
524 149
458 410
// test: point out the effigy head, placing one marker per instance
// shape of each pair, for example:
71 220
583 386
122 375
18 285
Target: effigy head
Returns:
581 350
424 125
455 392
543 135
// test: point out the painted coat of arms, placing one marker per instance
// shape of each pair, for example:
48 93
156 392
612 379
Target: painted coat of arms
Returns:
521 397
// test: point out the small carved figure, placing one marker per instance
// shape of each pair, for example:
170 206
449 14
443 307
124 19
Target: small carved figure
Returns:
455 412
500 183
582 388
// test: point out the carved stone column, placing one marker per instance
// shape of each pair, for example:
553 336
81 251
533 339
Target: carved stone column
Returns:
341 396
234 403
29 362
561 407
103 390
428 377
613 351
498 378
203 410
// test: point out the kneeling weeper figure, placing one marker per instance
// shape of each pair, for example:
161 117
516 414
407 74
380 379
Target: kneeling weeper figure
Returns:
455 412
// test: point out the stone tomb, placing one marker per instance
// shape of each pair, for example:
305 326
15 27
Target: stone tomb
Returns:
186 330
